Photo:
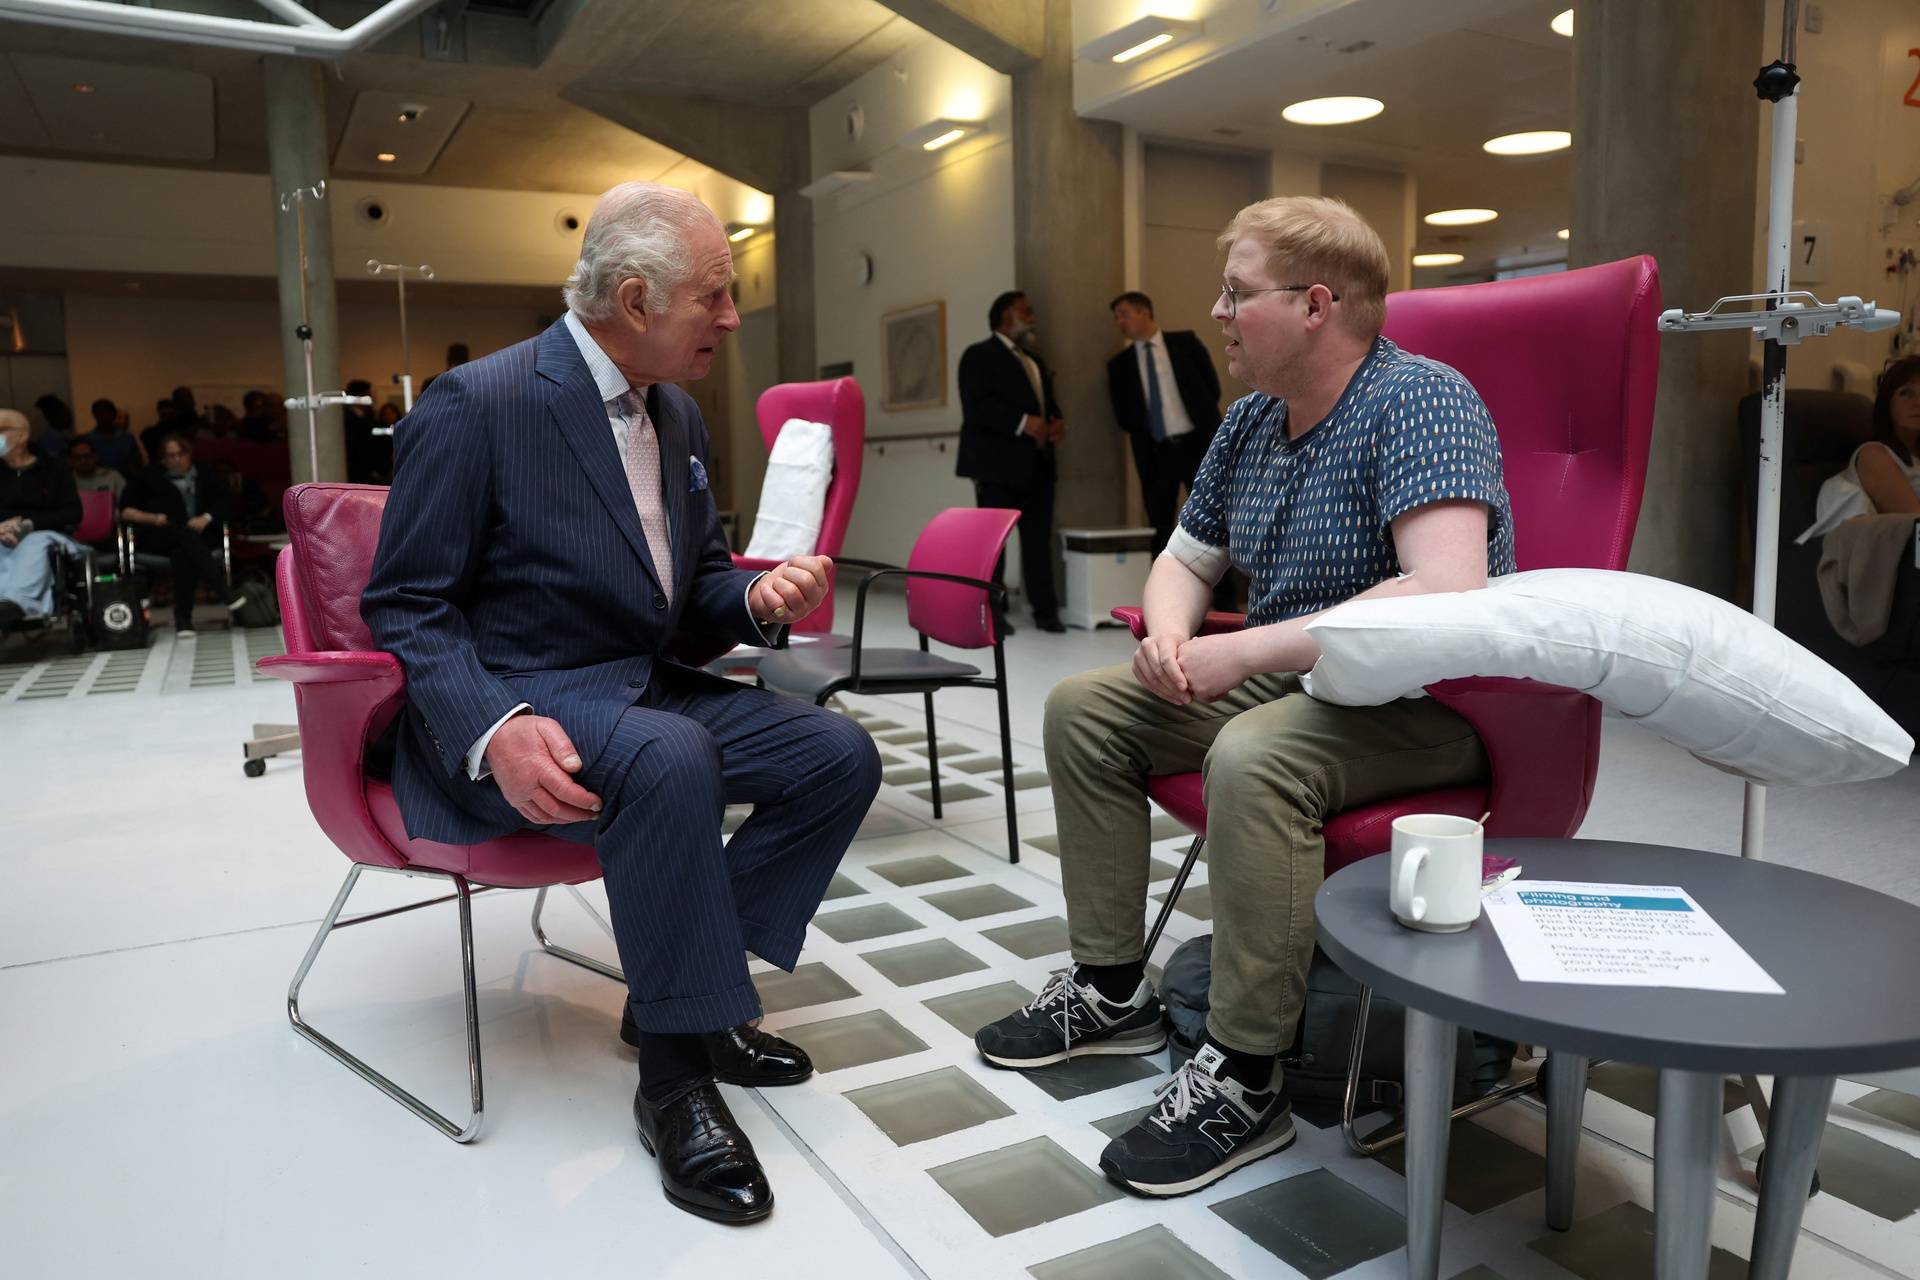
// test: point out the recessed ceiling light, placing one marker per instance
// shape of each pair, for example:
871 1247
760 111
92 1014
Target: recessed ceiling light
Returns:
946 139
83 88
386 157
1438 259
1536 142
1459 217
940 132
1564 232
1144 48
1332 110
1562 23
741 234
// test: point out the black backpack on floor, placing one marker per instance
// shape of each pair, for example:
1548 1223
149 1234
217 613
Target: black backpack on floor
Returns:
262 607
1315 1067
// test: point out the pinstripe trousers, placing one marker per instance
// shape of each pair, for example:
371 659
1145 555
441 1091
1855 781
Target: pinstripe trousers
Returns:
685 907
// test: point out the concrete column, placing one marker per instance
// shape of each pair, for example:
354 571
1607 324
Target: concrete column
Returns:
297 152
1665 133
1069 258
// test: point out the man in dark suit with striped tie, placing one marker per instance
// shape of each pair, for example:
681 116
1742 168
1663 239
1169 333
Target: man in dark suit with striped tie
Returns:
549 529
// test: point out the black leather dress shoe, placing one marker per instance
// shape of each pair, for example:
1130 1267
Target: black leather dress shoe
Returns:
707 1165
743 1055
1050 624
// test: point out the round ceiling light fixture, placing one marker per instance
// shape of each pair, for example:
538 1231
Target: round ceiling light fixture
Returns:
1535 142
1562 23
1438 259
1333 111
1460 217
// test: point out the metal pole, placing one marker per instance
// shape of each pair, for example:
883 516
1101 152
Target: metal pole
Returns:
296 202
1773 400
405 376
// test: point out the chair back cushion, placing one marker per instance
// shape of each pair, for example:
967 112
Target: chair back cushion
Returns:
1566 364
333 531
839 403
793 493
965 541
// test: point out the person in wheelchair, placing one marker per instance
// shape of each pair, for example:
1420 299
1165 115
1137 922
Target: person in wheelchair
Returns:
178 509
39 508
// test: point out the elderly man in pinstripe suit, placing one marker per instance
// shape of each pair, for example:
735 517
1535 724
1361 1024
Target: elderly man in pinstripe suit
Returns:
550 528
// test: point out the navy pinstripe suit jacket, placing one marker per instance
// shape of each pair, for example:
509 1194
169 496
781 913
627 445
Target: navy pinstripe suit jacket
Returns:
512 568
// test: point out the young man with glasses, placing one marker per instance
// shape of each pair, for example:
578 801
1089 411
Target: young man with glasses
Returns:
1355 469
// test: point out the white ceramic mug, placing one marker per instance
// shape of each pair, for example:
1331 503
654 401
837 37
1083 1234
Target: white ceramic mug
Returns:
1434 881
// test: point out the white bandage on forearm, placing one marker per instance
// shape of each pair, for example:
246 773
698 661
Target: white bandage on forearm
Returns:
1208 563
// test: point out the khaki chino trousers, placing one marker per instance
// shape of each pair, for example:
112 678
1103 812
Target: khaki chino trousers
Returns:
1277 764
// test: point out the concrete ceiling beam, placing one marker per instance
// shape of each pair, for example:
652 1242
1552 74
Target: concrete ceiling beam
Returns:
1007 35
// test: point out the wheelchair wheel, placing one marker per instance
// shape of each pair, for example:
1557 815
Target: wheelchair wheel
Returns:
254 768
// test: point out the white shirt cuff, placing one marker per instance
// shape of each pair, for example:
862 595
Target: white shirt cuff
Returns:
1207 563
769 631
477 766
1020 424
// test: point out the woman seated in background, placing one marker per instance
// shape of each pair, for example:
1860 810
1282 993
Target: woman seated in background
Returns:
178 508
1883 476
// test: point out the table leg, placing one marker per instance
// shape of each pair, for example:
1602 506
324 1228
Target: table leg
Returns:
1684 1136
1429 1065
1793 1148
1566 1083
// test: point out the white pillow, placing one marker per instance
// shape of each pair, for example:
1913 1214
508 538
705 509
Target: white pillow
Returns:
794 493
1701 673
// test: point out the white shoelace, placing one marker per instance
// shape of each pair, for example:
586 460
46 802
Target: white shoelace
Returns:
1188 1088
1060 987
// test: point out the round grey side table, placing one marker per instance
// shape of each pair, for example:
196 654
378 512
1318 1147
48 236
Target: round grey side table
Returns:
1844 955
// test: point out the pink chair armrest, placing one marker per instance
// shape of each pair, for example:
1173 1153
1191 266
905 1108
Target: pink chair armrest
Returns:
754 563
345 700
1532 732
1212 625
331 668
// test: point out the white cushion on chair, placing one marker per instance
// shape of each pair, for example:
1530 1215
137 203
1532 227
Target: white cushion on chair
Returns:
794 493
1701 673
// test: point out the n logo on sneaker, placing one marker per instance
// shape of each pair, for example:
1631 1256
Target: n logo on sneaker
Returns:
1226 1128
1076 1020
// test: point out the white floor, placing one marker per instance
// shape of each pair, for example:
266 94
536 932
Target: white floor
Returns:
158 1117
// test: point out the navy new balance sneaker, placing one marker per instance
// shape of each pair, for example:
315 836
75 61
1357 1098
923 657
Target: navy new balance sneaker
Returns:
1070 1019
1207 1126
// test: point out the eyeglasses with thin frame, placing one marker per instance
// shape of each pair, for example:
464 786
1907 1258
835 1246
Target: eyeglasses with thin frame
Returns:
1233 295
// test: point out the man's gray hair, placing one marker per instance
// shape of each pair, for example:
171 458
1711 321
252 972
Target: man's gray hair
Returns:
638 230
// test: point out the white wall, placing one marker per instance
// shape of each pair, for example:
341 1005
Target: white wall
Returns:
939 227
106 217
1861 144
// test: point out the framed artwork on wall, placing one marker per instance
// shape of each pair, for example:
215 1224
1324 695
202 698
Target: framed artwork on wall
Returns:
913 344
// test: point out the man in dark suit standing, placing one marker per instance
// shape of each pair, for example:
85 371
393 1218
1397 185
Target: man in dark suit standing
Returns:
1166 397
1009 423
550 528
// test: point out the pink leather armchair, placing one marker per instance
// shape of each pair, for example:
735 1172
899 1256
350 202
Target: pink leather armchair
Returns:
1567 365
840 404
347 693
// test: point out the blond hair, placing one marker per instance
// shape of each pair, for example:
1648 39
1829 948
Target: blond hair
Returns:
1321 240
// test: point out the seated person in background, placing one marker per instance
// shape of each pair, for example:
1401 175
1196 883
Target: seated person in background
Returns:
257 423
83 459
39 507
115 446
220 422
51 441
1883 476
178 509
389 415
1353 470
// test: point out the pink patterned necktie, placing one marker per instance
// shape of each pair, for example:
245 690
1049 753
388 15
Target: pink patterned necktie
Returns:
643 478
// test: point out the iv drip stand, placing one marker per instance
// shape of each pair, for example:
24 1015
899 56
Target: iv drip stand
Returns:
1783 318
295 201
405 376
